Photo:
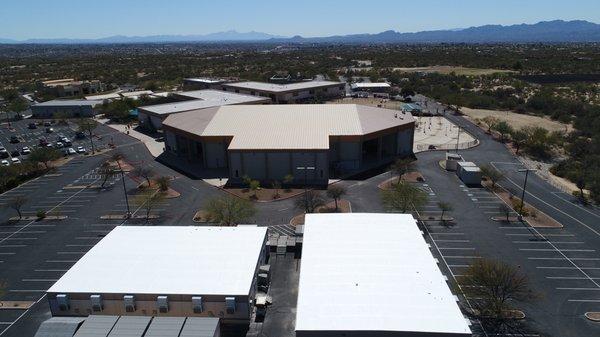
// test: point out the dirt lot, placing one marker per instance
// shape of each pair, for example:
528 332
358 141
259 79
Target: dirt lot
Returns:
516 120
457 70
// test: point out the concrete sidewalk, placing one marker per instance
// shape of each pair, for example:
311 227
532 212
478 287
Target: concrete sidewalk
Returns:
156 148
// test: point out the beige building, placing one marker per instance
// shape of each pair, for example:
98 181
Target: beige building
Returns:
71 87
270 142
289 93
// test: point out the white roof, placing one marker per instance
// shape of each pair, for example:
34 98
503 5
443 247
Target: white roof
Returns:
205 80
271 87
364 85
287 126
71 102
136 93
169 260
372 272
202 99
103 96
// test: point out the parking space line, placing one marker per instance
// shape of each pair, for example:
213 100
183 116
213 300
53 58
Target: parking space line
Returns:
561 258
554 250
38 280
449 240
51 270
67 253
27 290
569 268
462 257
452 233
527 234
61 261
584 301
583 289
458 248
557 242
570 278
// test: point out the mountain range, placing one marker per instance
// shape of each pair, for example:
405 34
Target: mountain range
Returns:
545 31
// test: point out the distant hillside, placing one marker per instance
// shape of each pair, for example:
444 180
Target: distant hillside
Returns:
546 31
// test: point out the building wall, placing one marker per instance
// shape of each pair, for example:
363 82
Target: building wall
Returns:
350 333
275 165
294 96
213 306
42 111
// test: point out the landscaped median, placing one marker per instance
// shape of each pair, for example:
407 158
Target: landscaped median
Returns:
343 206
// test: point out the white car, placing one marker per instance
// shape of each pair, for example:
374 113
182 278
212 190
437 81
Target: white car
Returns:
4 162
26 150
70 151
81 149
59 145
15 160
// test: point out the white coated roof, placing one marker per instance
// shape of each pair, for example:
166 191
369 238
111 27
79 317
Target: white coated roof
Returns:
364 85
271 87
71 102
136 93
202 99
168 260
204 80
372 272
287 126
103 96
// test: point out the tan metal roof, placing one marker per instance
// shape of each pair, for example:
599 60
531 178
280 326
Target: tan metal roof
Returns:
278 127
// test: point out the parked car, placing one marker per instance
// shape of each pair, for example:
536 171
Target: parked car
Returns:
59 145
49 145
15 139
25 150
3 153
15 160
81 149
66 141
4 162
79 135
70 151
32 126
47 123
49 130
15 153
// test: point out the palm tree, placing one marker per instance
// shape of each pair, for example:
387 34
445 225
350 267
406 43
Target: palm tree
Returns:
335 192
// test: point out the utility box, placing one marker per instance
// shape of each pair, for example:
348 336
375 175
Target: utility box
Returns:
451 160
96 301
162 303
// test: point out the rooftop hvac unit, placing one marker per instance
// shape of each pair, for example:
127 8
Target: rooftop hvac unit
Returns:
63 302
96 301
230 304
162 302
129 302
197 304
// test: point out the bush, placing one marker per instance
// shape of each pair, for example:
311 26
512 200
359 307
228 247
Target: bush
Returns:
516 204
41 214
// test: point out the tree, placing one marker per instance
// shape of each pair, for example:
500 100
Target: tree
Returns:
503 128
489 122
288 180
401 166
335 192
149 200
276 186
17 203
310 201
229 210
493 287
402 197
519 137
254 187
88 125
43 155
163 183
504 209
145 172
106 171
492 174
407 93
444 207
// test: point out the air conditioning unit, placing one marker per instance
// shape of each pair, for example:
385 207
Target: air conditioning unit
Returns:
129 302
63 302
230 304
96 301
197 304
162 302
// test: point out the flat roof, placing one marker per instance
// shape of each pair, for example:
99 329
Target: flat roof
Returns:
370 85
71 102
169 260
202 99
287 126
372 272
103 96
205 80
136 93
276 88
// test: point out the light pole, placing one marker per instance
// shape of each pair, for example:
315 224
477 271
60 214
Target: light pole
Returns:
305 169
457 138
523 193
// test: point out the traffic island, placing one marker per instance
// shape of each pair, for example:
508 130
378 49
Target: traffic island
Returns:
202 217
124 217
264 194
169 193
410 177
37 218
344 206
16 305
593 316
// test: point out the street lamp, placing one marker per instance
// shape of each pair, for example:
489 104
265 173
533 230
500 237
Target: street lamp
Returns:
305 169
523 193
457 138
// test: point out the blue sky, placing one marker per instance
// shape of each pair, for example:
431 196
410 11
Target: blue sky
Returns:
22 19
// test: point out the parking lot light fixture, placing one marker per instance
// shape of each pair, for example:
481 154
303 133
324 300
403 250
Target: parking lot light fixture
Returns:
523 192
306 169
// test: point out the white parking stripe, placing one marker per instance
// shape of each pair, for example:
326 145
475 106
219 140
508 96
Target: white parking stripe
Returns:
554 250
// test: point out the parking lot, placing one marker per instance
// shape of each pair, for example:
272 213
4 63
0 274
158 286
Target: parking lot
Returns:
31 137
